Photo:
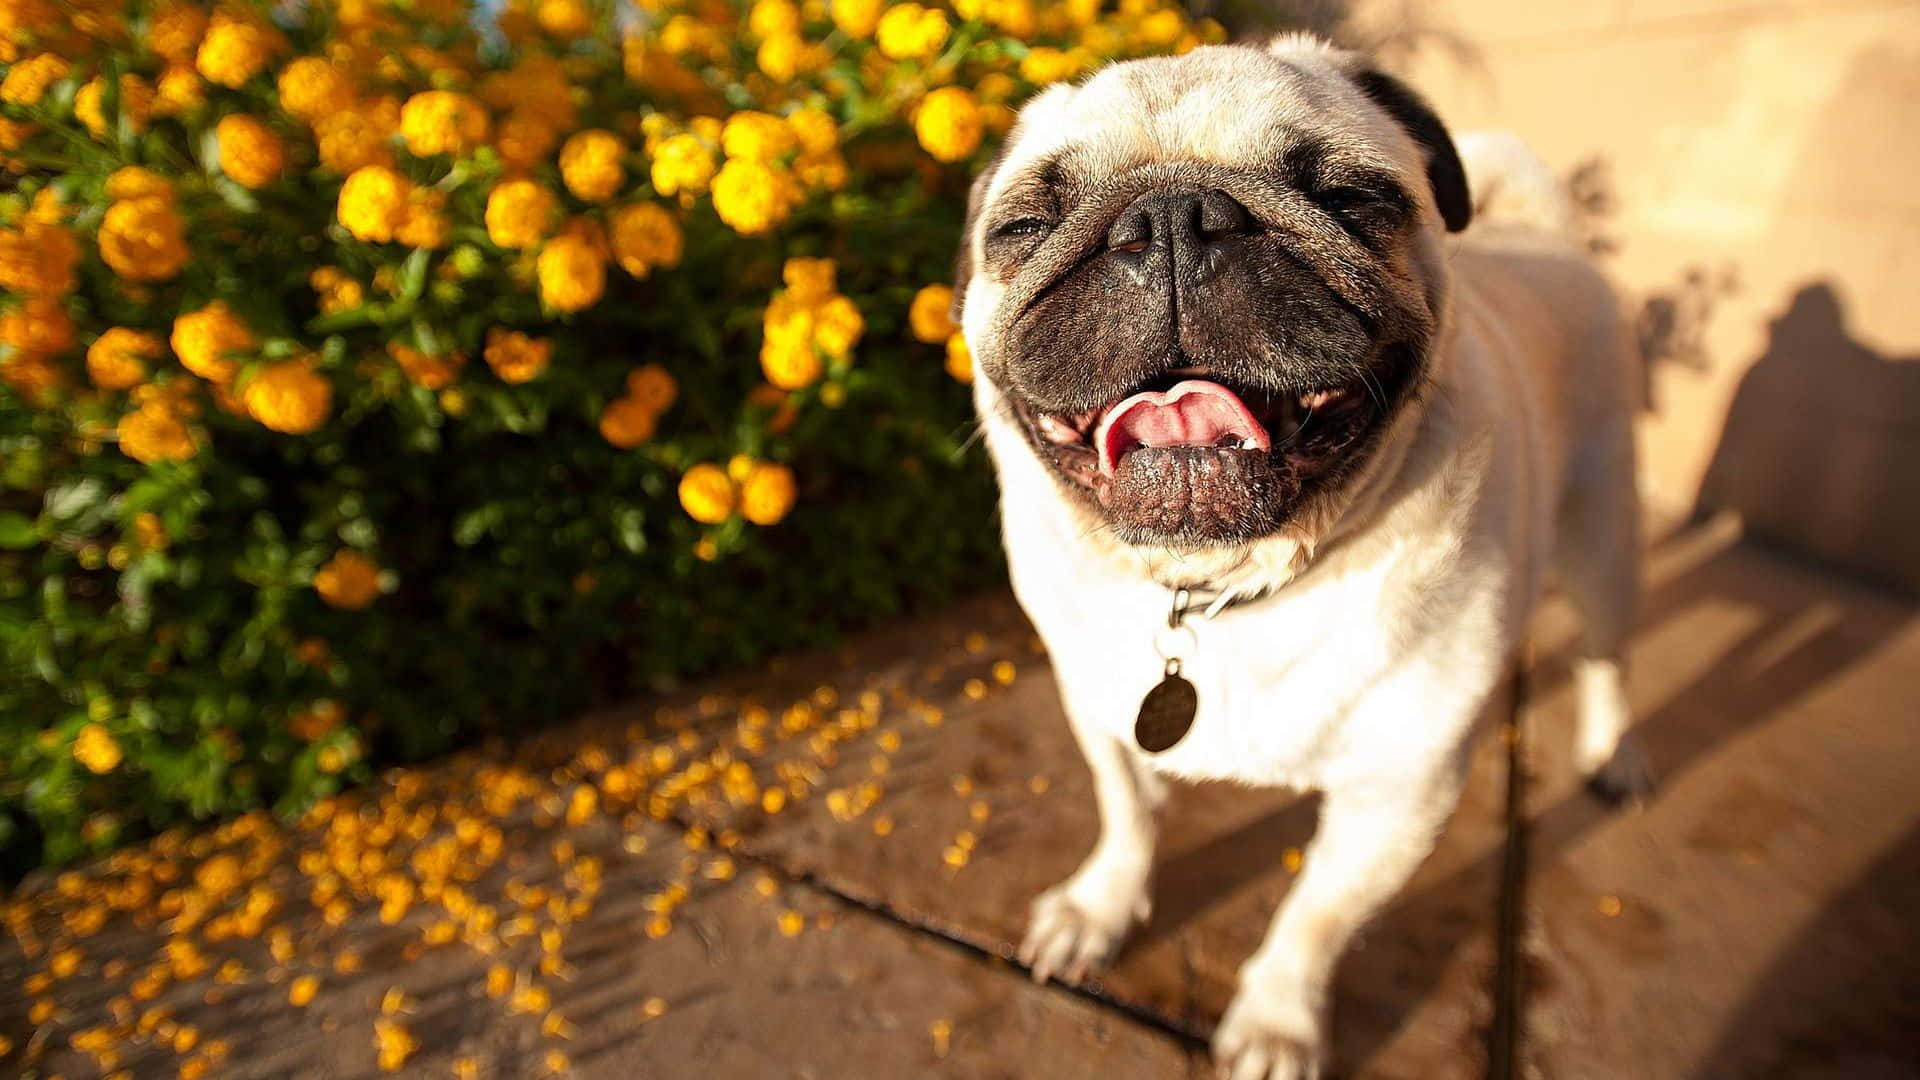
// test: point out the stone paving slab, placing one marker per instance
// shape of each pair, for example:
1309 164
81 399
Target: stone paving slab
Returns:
807 867
758 978
983 812
514 911
1761 917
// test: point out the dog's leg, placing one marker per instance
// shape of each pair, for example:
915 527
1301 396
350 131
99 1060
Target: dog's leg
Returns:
1597 558
1369 841
1079 923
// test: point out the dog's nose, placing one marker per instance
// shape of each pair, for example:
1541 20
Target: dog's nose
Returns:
1184 224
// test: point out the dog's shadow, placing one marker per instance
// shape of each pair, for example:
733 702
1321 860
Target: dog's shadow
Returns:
1408 951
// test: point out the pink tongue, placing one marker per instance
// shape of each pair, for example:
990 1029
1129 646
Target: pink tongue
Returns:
1193 413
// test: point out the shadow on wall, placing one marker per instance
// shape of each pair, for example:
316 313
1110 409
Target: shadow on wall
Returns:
1671 325
1822 444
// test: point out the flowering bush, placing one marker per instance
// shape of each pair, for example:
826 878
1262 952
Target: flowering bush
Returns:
263 523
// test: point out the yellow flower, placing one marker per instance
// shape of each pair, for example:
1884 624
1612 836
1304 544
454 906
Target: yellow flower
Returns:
520 214
837 326
40 328
790 363
30 375
911 32
203 339
424 369
684 35
959 359
423 225
653 387
927 315
627 422
349 581
1045 65
150 532
442 122
828 170
815 130
336 290
288 397
645 236
373 203
773 18
756 136
564 19
250 153
808 281
707 494
949 124
153 433
15 133
1161 28
857 18
590 165
357 137
234 51
174 30
784 58
767 493
136 104
753 197
38 259
27 81
134 182
95 748
181 91
537 85
312 87
117 359
144 239
995 87
682 163
515 357
18 21
524 138
572 274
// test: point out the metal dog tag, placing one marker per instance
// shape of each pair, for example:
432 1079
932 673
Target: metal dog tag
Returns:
1166 713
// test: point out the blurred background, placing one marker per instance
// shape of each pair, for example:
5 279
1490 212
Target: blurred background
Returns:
496 579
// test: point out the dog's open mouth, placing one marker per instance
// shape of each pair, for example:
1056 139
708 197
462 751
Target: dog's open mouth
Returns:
1195 455
1192 410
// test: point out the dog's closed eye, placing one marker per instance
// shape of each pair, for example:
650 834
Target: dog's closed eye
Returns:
1020 228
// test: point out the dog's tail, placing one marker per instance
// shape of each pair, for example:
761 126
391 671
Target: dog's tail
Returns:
1511 185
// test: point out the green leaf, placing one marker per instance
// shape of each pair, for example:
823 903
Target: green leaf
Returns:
413 275
235 195
628 524
72 498
17 532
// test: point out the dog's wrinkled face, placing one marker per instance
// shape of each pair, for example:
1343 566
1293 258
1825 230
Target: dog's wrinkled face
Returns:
1204 285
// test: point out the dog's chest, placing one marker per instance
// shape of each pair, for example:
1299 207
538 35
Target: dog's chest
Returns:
1271 678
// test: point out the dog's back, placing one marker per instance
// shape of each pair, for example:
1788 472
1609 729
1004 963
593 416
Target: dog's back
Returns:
1522 276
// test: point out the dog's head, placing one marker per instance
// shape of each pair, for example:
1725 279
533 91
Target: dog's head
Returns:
1203 286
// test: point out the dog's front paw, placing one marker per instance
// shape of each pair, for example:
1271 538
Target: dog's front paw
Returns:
1625 778
1068 936
1268 1034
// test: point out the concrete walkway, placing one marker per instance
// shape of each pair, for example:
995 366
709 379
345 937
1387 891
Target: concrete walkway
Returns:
818 870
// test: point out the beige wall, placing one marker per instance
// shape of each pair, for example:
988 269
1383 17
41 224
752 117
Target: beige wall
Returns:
1757 173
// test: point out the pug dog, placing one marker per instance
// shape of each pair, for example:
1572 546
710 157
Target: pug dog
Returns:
1286 452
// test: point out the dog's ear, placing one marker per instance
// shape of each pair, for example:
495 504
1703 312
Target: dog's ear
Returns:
1411 111
963 259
